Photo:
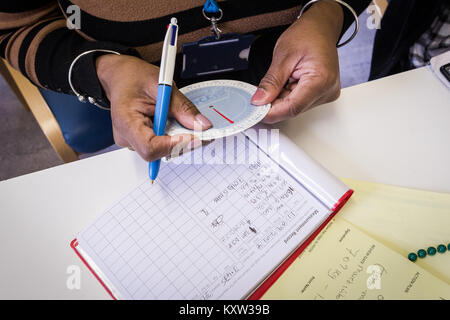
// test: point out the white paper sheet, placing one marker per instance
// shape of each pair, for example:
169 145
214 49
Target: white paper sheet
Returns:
202 231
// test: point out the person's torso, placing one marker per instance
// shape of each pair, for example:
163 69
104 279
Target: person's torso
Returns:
142 23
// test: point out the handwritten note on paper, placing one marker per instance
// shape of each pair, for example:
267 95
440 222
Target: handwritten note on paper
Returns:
202 231
344 263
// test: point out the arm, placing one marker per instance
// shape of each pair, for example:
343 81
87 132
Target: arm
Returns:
34 39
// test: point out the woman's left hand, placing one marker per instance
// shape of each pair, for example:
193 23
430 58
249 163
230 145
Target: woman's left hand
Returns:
305 68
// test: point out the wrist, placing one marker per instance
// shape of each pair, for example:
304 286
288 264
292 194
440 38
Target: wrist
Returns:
328 18
105 64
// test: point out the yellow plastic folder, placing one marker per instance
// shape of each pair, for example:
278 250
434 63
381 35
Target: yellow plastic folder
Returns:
362 253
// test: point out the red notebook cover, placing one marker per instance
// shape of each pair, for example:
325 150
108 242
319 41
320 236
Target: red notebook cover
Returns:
279 271
259 292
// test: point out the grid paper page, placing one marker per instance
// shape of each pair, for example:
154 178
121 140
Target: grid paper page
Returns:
202 231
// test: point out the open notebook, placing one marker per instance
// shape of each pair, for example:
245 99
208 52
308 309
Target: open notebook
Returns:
224 231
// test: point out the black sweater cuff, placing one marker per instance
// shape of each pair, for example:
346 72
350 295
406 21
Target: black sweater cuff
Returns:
358 6
56 53
84 74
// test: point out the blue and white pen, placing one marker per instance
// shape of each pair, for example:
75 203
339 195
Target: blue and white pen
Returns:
167 67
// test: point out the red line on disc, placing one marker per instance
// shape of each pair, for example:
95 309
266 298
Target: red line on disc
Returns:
230 121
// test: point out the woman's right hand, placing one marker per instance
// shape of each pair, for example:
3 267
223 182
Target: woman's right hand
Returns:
131 86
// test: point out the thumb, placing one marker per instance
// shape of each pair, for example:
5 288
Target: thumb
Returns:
273 82
186 113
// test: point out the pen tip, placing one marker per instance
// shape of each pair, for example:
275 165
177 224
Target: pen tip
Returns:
153 181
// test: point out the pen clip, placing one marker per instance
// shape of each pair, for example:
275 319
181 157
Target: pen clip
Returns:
169 52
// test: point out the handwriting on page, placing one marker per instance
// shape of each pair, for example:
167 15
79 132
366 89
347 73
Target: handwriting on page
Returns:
265 215
202 232
344 263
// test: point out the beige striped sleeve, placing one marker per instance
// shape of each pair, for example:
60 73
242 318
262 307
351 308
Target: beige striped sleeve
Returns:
21 33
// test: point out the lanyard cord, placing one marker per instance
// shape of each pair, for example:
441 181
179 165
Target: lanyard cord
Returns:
211 6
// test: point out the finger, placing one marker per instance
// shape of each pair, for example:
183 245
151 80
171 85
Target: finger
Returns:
187 145
273 82
151 147
119 140
291 80
161 146
186 113
290 86
303 96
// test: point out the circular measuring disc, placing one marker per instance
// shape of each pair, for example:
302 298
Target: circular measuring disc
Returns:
226 103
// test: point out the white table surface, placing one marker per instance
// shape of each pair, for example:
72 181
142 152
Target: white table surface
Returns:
394 131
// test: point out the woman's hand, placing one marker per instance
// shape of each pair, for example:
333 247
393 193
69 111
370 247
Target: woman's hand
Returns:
131 86
305 68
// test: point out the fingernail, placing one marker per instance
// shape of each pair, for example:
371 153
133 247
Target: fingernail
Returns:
204 121
259 95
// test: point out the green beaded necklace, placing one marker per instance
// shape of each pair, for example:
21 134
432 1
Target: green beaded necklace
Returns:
430 251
